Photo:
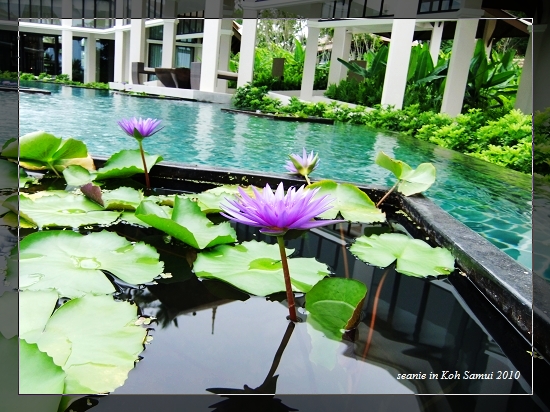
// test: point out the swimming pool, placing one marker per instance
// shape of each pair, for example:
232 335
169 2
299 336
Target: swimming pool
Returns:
491 200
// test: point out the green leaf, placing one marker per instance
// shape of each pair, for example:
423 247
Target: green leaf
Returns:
72 264
38 374
335 304
61 210
352 203
209 200
187 223
255 267
417 180
414 257
123 198
35 309
41 151
126 163
76 175
411 180
397 167
96 342
9 175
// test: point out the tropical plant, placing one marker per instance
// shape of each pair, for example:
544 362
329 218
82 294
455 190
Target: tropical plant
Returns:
490 80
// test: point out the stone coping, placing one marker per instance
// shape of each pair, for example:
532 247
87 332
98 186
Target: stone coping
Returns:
309 119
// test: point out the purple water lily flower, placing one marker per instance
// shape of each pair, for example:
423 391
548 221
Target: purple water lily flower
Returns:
140 128
303 165
276 213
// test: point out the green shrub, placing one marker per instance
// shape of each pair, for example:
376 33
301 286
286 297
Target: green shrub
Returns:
517 157
27 76
60 78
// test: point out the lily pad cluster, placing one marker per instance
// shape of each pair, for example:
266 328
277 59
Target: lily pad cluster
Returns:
89 343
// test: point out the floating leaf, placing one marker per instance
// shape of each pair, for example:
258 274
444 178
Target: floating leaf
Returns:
76 175
93 193
126 163
352 203
41 151
414 257
67 210
38 374
9 175
410 181
13 220
123 198
35 309
187 223
72 264
256 268
335 304
95 341
209 200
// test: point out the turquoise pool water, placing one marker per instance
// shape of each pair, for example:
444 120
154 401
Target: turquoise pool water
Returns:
491 200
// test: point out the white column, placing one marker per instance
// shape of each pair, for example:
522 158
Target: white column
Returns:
435 40
524 96
308 76
490 25
211 45
90 64
67 47
341 44
248 46
457 76
225 52
120 66
169 42
137 45
395 80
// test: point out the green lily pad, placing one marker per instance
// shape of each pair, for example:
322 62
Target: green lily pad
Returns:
13 220
352 203
9 175
38 374
123 198
76 175
335 304
255 267
67 210
411 181
72 264
41 151
35 309
126 163
95 341
187 223
209 200
414 257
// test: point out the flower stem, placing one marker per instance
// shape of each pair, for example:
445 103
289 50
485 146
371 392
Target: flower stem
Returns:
307 180
147 183
288 285
374 309
387 194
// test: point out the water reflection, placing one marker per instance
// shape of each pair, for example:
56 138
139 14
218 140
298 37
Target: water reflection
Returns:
203 142
266 401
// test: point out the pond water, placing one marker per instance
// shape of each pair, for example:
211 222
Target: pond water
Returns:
210 335
491 200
